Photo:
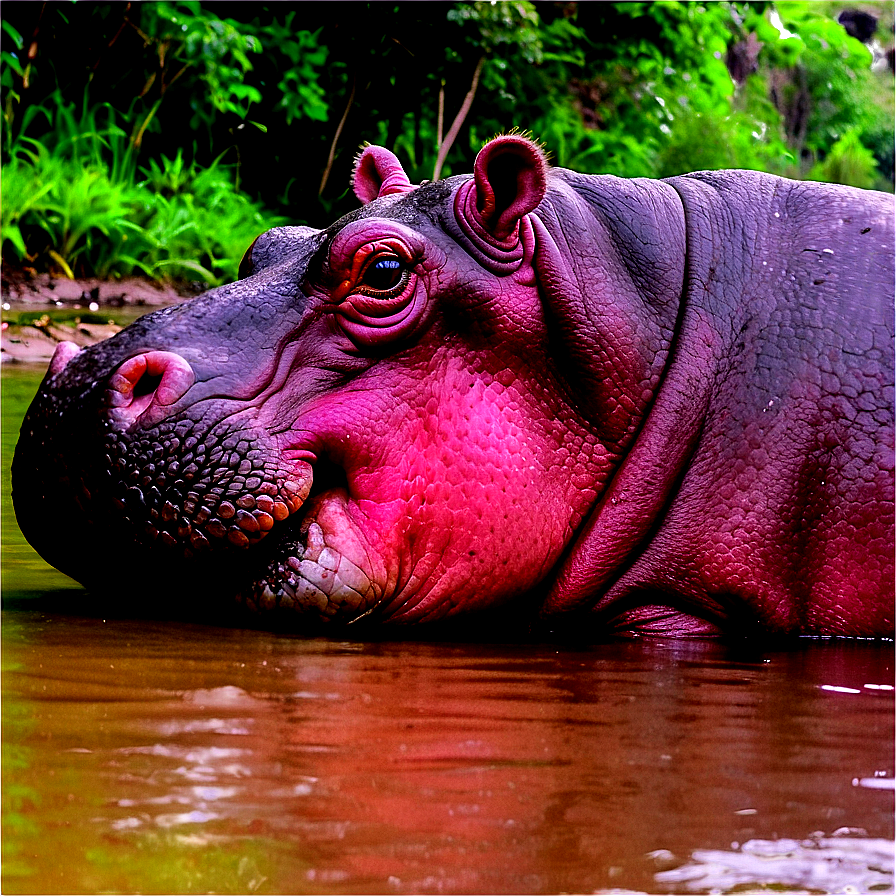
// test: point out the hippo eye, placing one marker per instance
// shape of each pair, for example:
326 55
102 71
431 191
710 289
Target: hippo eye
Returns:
383 275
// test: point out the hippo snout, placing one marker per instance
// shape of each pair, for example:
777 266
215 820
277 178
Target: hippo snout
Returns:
120 454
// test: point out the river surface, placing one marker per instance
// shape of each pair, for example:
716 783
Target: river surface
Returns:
146 755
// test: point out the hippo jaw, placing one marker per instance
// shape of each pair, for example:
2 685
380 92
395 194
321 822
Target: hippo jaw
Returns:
306 575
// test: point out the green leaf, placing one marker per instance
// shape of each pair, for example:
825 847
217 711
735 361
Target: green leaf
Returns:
12 233
187 264
17 38
246 91
12 62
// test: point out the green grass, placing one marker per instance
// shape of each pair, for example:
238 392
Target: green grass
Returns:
76 201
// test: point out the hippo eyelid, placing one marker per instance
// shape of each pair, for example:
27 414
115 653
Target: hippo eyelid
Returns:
360 241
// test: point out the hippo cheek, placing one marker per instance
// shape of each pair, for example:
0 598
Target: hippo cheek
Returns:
426 532
406 560
323 567
414 538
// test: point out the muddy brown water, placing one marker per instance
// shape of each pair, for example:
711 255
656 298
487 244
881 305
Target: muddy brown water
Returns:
145 755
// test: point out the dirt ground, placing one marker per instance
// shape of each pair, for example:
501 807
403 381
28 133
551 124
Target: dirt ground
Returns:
107 305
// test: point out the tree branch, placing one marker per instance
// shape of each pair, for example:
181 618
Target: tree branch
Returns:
458 121
348 105
440 121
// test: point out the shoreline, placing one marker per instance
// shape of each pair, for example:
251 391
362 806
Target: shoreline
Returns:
39 310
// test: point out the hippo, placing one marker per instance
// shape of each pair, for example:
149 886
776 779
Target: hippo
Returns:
618 406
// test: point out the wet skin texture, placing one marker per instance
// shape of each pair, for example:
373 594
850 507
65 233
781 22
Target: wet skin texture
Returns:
623 405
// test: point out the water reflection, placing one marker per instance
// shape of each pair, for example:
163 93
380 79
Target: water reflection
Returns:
815 865
154 757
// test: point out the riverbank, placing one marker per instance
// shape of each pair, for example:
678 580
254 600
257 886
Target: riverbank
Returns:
40 310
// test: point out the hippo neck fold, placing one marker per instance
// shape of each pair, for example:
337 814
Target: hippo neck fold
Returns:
655 312
735 499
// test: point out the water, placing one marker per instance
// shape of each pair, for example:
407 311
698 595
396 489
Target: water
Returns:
151 756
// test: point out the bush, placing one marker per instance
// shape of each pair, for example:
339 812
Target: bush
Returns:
848 162
66 211
274 100
75 202
193 221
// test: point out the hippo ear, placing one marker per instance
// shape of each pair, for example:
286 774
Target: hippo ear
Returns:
510 177
378 173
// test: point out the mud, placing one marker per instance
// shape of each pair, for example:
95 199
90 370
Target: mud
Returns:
107 306
36 344
28 287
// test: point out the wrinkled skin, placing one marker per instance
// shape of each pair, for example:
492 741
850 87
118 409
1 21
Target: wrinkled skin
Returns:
661 407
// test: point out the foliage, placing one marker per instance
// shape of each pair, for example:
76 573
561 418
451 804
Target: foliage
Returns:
824 88
514 25
847 162
664 60
701 141
195 222
71 193
218 51
285 93
77 201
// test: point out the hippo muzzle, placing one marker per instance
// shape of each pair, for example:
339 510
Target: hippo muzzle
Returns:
155 485
133 473
658 407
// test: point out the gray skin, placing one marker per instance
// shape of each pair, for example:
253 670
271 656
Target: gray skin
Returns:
620 406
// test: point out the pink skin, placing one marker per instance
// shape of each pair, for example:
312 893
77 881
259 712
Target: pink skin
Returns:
64 352
486 473
459 507
483 478
378 173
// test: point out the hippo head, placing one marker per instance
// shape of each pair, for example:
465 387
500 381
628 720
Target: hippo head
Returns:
398 417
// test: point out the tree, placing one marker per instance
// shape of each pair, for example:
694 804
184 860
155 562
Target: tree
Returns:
278 97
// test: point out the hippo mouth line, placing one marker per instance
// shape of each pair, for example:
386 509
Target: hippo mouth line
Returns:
297 571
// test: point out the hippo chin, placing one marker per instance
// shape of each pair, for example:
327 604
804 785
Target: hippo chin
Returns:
634 405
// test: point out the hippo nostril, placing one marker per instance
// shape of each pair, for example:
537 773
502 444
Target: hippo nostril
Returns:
151 380
147 384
